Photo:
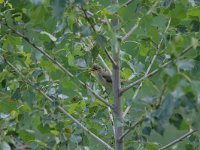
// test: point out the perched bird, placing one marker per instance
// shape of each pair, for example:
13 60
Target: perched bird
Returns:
102 76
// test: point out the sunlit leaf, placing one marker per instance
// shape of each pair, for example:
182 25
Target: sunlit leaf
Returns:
27 135
194 11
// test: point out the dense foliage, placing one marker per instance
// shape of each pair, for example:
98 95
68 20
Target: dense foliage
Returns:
48 46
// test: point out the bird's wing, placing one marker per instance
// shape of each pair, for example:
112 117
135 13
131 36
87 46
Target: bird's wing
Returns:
107 77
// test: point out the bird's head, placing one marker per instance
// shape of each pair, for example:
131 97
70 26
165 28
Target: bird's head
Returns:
95 69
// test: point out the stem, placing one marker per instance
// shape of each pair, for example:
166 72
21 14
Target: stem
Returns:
178 140
104 64
111 118
131 31
127 3
110 58
132 127
137 23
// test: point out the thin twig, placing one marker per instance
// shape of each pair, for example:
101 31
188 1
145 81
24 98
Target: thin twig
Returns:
111 59
104 64
168 25
131 128
161 97
54 61
137 23
151 9
59 107
111 117
154 71
88 19
127 3
131 31
178 140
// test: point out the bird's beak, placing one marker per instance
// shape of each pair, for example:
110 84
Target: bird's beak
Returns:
91 70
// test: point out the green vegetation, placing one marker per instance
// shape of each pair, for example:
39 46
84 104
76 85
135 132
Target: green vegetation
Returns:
50 100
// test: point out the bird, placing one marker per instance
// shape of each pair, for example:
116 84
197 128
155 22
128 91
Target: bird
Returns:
102 76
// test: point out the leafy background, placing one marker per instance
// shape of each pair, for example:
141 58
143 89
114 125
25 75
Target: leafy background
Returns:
167 103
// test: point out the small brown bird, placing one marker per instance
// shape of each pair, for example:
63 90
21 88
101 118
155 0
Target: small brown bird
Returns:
102 76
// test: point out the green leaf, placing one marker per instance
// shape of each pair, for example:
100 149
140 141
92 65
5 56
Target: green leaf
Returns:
25 108
146 130
85 30
58 7
7 104
29 97
185 64
27 135
101 41
112 9
143 50
176 119
159 21
194 11
1 1
152 146
195 43
95 52
44 128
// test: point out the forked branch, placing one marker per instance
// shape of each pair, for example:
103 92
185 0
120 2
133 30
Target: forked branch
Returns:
178 139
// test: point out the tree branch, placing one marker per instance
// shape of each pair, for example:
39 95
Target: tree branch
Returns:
131 31
59 107
88 19
55 62
116 84
178 140
132 127
153 72
104 64
127 3
111 59
111 118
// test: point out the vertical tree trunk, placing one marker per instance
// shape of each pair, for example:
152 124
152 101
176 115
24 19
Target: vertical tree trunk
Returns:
118 120
117 104
117 99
